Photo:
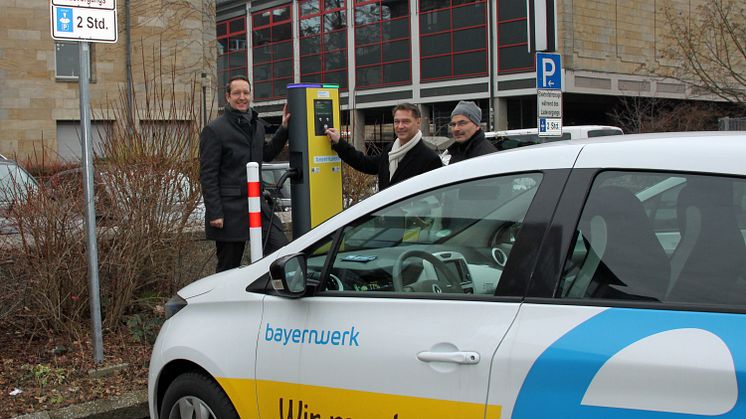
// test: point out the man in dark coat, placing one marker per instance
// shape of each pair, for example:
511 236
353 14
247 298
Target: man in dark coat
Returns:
467 133
226 145
406 157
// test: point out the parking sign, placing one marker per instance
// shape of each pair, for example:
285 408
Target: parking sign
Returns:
84 20
548 71
549 94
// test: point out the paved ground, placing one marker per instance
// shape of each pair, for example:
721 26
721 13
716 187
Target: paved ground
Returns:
129 406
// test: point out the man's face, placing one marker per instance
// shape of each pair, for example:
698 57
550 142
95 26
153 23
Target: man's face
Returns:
240 96
405 125
462 128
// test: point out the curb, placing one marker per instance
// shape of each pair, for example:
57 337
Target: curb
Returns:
132 405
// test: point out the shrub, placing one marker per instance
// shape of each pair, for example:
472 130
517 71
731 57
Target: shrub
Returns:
148 173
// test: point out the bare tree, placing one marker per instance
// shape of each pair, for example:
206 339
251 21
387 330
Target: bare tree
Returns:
709 43
644 114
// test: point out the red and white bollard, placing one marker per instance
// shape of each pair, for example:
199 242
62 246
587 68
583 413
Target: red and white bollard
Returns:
255 210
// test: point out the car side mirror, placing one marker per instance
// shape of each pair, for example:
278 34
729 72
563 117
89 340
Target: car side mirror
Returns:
289 275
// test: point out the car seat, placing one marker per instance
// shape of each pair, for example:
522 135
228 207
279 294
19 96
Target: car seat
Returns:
625 260
709 263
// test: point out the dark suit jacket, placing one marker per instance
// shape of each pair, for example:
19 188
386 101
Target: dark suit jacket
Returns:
418 160
225 146
475 146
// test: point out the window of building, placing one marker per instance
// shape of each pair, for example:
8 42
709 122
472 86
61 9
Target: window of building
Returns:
70 143
231 35
272 36
512 38
382 43
453 40
323 41
67 60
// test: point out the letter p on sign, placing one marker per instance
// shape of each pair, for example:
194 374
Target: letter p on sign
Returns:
547 70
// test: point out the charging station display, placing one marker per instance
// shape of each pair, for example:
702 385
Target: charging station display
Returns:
323 116
316 189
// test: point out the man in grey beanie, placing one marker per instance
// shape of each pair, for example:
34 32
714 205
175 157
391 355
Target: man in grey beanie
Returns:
467 132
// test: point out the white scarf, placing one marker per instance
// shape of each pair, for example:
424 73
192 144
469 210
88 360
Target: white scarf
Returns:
398 151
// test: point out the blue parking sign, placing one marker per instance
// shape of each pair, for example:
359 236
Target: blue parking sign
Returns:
548 71
64 19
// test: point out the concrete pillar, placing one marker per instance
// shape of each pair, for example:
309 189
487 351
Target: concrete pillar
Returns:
357 129
500 106
426 120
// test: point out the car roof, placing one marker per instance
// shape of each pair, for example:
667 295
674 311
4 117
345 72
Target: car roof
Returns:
713 151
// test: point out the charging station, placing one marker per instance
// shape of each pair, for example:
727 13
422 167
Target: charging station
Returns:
316 186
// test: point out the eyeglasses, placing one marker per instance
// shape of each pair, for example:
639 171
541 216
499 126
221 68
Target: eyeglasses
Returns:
458 124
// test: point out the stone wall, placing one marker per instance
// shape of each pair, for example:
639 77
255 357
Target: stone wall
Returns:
614 36
165 34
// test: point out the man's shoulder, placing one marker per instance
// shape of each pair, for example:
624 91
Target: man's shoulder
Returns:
424 150
219 121
217 125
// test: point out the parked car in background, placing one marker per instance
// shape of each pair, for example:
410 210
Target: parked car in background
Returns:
15 186
118 193
513 138
271 173
596 278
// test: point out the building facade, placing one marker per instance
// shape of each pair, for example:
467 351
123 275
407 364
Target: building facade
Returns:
160 43
380 52
436 52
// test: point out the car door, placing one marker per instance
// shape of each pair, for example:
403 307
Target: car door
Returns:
621 325
407 317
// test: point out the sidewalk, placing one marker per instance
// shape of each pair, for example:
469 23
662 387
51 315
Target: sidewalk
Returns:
133 405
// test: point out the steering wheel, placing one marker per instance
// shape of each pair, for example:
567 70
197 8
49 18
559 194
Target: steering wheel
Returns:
450 284
502 242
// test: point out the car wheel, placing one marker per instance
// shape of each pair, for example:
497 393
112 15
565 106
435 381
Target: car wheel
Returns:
194 396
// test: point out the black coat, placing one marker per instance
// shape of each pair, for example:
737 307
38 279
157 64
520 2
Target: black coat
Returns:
475 146
225 146
418 160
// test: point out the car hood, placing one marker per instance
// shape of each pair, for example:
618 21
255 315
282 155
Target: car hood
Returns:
232 281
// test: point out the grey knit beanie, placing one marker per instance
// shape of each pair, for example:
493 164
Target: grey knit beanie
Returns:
469 110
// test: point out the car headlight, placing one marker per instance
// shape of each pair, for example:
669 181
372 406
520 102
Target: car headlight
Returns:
174 305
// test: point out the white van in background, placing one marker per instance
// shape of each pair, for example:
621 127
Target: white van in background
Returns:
513 138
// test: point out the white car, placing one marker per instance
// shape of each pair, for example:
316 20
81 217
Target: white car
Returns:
512 138
16 184
600 278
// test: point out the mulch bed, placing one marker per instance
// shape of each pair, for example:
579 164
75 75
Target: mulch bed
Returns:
40 373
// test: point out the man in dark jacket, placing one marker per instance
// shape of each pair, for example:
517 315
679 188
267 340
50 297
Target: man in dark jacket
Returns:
467 132
226 145
406 157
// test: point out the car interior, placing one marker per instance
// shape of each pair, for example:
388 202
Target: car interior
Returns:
680 239
648 237
451 240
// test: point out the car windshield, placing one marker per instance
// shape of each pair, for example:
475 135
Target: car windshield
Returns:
15 183
270 176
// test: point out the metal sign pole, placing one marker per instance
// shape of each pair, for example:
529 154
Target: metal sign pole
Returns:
90 209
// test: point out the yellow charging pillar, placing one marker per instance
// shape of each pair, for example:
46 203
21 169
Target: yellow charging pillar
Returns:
316 189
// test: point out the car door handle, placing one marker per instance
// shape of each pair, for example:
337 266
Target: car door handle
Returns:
468 358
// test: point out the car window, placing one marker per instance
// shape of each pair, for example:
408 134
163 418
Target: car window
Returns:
15 183
268 176
660 237
603 132
456 239
506 142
